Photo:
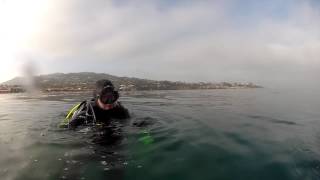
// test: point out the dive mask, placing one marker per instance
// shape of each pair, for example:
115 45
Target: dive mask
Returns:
108 95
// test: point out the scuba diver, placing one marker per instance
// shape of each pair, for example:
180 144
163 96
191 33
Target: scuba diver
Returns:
104 112
100 110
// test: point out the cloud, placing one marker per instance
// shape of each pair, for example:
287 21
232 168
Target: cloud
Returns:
181 40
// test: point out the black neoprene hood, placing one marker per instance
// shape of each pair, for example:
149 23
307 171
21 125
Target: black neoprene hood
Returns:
102 84
105 92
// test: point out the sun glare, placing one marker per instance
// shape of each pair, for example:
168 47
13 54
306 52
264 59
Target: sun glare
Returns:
20 21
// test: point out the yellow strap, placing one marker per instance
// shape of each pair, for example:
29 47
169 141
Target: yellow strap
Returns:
65 122
72 111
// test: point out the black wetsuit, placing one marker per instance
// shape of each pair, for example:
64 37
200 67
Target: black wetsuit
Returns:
89 113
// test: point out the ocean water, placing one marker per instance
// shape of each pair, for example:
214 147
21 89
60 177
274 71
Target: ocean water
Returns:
203 134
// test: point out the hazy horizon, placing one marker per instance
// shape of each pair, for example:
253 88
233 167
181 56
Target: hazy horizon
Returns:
273 43
117 76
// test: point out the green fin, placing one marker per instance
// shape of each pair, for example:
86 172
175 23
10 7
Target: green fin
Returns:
146 138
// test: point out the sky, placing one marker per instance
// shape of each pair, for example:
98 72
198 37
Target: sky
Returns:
271 43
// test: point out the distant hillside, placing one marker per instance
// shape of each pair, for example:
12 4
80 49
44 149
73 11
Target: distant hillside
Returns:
86 81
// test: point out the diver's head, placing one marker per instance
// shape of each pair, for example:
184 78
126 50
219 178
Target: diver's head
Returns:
105 93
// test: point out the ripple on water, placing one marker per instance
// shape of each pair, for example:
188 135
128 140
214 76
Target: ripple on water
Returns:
195 135
273 120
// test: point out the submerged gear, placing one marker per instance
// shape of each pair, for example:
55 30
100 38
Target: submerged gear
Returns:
82 112
88 113
146 138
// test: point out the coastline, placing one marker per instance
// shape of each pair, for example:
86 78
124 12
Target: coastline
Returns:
76 90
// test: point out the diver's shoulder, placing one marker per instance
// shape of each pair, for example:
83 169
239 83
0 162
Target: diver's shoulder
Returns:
118 105
121 110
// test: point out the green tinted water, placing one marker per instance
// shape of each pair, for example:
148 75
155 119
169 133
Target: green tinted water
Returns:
217 134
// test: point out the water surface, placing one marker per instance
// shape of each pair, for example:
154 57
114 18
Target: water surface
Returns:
207 134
